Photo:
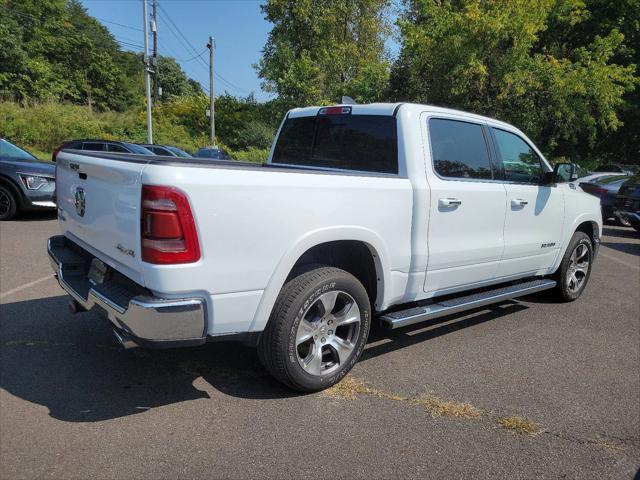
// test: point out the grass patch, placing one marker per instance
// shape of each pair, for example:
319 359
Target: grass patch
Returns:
606 444
439 407
348 388
520 425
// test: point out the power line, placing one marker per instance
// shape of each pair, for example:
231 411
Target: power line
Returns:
119 24
190 45
132 40
192 58
177 29
232 85
140 47
173 28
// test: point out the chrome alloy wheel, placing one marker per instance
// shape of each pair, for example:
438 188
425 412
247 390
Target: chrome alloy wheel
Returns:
578 267
328 333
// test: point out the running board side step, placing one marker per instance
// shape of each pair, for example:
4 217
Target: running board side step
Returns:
442 308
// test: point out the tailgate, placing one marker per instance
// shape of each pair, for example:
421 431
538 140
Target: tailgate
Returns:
99 206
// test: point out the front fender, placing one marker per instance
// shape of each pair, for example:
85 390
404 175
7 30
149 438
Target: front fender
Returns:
571 229
312 239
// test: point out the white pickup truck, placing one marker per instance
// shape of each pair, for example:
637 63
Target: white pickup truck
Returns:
396 212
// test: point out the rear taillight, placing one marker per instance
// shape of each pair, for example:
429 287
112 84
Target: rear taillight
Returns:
54 155
167 227
593 189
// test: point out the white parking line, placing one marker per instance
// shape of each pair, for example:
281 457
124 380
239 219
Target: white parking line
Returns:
25 286
618 260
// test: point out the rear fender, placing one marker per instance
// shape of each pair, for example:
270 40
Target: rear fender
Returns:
310 240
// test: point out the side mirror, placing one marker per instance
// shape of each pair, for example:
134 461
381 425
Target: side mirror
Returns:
565 172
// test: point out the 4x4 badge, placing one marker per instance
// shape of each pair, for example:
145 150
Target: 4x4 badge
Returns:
126 251
80 202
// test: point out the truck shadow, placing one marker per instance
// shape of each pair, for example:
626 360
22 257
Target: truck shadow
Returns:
74 366
37 216
411 335
630 248
623 232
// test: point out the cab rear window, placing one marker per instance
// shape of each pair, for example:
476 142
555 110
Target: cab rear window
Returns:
367 143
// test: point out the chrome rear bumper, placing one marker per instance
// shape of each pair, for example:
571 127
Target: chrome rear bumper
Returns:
138 317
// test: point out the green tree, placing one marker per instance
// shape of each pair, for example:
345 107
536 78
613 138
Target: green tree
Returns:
53 50
319 50
534 64
173 80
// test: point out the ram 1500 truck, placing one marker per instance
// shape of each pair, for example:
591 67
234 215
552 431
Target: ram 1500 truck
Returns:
395 212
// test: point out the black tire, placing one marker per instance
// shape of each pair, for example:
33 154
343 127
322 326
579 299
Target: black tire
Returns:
567 290
8 204
278 346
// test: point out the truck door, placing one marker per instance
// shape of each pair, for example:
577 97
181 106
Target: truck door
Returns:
534 211
467 210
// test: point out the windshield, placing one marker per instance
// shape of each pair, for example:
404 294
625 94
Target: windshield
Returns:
178 152
607 168
608 179
9 150
138 149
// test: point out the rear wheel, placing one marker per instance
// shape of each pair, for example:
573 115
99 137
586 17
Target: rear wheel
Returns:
317 329
575 269
8 204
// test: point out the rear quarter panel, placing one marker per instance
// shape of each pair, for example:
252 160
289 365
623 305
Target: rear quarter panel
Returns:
254 224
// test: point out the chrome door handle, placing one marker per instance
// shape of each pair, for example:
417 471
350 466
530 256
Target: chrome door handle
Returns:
449 202
518 202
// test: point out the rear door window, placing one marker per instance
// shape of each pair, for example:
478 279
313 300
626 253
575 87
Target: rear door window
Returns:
72 145
459 149
367 143
159 151
117 148
93 146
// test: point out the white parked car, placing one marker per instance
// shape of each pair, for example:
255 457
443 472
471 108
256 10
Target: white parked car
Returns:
396 212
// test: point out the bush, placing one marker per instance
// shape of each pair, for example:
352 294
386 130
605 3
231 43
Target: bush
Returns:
180 122
258 155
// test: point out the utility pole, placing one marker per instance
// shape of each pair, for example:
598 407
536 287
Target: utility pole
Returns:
154 30
145 59
211 46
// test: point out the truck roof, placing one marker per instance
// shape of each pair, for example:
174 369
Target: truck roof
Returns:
391 109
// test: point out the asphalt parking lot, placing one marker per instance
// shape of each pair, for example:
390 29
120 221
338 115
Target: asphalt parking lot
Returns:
73 404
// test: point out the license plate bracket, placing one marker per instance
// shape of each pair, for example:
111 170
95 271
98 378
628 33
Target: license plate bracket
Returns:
98 272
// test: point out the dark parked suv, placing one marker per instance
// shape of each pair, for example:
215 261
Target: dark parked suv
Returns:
26 183
214 153
628 204
101 146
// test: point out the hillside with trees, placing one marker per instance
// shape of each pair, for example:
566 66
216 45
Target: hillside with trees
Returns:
63 75
564 71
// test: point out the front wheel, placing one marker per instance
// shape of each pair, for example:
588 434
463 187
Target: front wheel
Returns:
8 204
317 329
575 269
